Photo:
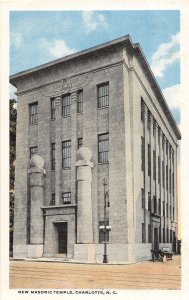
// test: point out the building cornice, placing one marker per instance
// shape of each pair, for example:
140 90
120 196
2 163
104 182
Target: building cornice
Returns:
125 41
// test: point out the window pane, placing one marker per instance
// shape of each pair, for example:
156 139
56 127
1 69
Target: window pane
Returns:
103 147
33 113
66 105
66 154
103 95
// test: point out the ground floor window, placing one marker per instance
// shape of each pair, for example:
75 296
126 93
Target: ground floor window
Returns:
102 232
66 198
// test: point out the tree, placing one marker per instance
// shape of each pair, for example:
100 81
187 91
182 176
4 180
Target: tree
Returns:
12 158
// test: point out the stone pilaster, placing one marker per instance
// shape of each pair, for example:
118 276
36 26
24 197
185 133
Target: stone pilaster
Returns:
58 151
35 248
73 114
84 200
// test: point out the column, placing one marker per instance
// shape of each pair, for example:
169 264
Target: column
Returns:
84 203
58 150
35 248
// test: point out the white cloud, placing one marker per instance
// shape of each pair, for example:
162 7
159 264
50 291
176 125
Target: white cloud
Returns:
172 96
16 40
12 91
56 48
92 21
166 54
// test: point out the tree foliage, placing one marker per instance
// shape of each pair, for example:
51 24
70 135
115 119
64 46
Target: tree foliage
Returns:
12 158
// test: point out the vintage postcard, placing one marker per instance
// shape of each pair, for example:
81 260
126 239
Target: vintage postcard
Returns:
94 149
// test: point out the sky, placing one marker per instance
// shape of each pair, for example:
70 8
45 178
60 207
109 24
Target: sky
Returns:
37 37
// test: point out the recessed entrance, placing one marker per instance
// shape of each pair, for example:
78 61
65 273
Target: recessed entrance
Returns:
62 237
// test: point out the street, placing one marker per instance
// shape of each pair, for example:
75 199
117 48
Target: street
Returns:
58 275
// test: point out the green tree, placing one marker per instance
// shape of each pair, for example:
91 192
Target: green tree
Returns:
12 159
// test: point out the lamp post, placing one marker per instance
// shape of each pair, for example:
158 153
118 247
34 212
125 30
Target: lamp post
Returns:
106 228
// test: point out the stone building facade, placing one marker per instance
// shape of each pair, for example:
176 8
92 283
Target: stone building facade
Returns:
94 115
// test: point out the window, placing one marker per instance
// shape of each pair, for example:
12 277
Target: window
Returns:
33 113
164 208
149 201
33 151
159 170
143 233
167 177
80 101
167 210
155 204
170 211
102 232
103 95
149 160
66 155
53 199
149 120
52 109
143 198
142 154
173 157
167 147
173 184
159 206
80 143
66 198
169 181
154 128
159 132
103 147
173 213
163 235
154 165
53 156
163 174
66 101
149 234
171 236
142 109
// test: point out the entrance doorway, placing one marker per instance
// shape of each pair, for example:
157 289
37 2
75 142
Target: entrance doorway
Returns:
62 238
156 239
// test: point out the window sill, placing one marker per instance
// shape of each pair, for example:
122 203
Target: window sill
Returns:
103 163
98 108
32 124
65 117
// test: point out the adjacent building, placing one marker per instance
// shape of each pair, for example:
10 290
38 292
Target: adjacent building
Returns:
94 131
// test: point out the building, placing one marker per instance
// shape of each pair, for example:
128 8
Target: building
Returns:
105 102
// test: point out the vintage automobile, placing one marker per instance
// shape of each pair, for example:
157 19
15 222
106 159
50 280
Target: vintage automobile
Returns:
162 254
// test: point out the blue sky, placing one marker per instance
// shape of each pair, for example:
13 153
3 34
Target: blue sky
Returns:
40 36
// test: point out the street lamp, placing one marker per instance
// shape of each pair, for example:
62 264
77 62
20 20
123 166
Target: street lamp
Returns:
105 227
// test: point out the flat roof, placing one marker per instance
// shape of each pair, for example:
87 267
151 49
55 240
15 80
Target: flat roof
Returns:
137 50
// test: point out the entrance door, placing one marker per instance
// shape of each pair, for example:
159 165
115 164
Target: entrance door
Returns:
62 238
156 239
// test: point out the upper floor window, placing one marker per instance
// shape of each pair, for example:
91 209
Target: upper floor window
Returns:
66 198
159 169
66 155
33 151
52 109
103 95
149 160
154 165
149 201
142 109
80 101
143 198
33 113
143 233
142 154
53 156
149 120
103 147
80 143
66 101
